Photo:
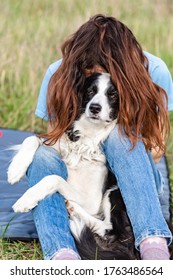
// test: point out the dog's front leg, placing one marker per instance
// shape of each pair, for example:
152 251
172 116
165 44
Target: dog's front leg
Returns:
21 161
47 186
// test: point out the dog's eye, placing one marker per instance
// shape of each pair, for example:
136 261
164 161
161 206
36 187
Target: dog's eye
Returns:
90 92
112 94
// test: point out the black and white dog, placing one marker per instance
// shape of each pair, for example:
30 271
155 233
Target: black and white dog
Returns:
98 219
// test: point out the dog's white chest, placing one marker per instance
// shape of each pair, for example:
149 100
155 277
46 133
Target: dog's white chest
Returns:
86 170
89 179
85 162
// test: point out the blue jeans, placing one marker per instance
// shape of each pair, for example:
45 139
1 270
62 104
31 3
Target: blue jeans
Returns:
138 180
50 216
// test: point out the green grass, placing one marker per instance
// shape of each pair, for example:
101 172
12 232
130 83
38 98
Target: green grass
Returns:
20 250
31 33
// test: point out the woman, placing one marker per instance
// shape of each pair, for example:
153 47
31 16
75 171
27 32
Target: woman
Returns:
105 44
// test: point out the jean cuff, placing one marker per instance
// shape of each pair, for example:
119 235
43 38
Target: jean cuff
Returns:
153 233
65 251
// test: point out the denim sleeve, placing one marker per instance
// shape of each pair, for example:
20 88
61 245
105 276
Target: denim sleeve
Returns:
161 76
41 108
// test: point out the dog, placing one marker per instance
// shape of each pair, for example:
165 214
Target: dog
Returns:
97 214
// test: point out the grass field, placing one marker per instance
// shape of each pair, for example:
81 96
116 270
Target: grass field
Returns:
31 33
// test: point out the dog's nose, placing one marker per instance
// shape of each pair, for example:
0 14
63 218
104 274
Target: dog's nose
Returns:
95 108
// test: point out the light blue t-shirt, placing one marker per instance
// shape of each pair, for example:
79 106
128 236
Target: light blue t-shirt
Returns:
157 69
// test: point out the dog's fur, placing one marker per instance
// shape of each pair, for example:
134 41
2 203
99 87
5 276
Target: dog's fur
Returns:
98 218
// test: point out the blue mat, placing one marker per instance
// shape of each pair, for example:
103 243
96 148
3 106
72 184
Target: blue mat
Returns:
21 226
14 226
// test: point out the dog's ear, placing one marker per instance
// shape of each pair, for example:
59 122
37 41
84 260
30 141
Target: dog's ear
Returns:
73 135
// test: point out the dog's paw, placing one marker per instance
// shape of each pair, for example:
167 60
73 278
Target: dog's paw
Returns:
22 159
101 228
70 208
24 204
16 171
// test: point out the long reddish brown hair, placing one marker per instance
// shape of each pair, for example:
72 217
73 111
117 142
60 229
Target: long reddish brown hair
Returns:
107 42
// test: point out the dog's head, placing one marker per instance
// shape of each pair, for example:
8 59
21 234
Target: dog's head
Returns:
100 102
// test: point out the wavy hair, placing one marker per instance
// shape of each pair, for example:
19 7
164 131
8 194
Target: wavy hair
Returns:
108 43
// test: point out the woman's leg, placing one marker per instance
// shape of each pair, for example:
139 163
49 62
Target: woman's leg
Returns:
136 181
50 216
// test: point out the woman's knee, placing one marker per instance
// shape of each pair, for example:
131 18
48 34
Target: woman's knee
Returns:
116 141
46 162
119 151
